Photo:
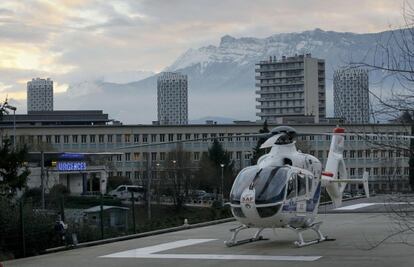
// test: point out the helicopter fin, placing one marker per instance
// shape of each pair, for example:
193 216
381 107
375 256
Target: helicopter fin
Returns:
335 176
335 170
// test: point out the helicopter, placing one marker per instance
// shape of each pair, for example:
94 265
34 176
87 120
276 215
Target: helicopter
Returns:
283 189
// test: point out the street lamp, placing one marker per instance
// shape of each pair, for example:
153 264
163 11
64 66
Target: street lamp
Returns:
222 183
6 105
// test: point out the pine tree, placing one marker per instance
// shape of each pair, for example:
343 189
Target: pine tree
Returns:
257 152
13 171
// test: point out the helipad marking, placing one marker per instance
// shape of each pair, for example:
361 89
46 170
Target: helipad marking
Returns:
356 206
148 252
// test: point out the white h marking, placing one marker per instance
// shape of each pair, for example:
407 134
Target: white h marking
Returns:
148 252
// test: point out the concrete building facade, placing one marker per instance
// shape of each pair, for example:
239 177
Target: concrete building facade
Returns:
351 95
292 87
172 96
40 95
385 159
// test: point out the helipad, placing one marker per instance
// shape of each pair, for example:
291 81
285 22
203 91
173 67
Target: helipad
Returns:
355 236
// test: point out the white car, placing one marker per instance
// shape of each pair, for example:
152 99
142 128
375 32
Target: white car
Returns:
125 192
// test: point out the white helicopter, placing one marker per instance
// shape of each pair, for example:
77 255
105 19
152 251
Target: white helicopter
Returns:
283 190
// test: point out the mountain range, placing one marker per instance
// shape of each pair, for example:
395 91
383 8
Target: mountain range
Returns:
222 78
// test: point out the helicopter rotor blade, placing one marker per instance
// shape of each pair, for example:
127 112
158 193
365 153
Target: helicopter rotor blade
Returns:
271 141
259 135
357 134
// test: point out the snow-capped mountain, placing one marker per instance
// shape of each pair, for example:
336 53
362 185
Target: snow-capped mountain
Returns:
223 74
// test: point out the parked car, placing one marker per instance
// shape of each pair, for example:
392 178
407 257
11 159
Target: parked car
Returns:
125 192
347 195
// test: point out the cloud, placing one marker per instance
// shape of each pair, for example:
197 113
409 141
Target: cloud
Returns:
76 40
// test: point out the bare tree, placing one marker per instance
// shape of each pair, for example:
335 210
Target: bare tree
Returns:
393 60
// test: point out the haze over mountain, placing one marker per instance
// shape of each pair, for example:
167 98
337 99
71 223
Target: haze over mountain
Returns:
222 78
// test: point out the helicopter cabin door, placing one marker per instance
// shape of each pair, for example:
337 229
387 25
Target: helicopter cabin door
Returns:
302 194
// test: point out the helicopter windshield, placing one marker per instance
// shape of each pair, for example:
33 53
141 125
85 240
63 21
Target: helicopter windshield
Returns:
243 180
269 184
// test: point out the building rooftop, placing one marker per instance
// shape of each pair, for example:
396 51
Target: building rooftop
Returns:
58 117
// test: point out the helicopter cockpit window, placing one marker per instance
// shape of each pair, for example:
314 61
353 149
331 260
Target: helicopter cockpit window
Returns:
301 181
243 180
291 187
270 187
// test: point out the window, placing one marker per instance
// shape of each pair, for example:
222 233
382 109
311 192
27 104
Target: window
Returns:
359 153
352 171
187 136
127 138
109 137
360 171
74 139
170 137
145 138
301 182
204 137
162 155
128 174
136 174
162 137
119 173
118 157
367 153
136 156
101 138
39 139
153 156
83 138
196 156
136 138
48 139
91 138
65 139
118 138
153 138
238 137
179 137
352 154
127 156
247 156
238 154
196 136
57 139
375 171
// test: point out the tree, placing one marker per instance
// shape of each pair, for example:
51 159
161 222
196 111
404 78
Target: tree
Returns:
257 152
209 173
13 170
179 171
393 57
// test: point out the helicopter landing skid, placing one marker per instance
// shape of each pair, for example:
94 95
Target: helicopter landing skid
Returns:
315 228
233 242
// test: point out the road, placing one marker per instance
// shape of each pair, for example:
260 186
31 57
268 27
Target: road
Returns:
356 231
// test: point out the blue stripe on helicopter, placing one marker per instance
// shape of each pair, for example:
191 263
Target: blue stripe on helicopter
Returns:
310 204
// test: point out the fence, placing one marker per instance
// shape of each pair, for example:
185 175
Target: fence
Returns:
29 226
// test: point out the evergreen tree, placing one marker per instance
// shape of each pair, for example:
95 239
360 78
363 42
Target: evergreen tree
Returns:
13 171
257 152
209 173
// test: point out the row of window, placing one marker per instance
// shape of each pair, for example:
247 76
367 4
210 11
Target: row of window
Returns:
364 153
162 156
129 138
379 171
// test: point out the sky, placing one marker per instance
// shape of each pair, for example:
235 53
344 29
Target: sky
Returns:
80 40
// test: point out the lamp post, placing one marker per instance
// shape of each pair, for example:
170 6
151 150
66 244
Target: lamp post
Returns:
175 181
6 105
222 183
